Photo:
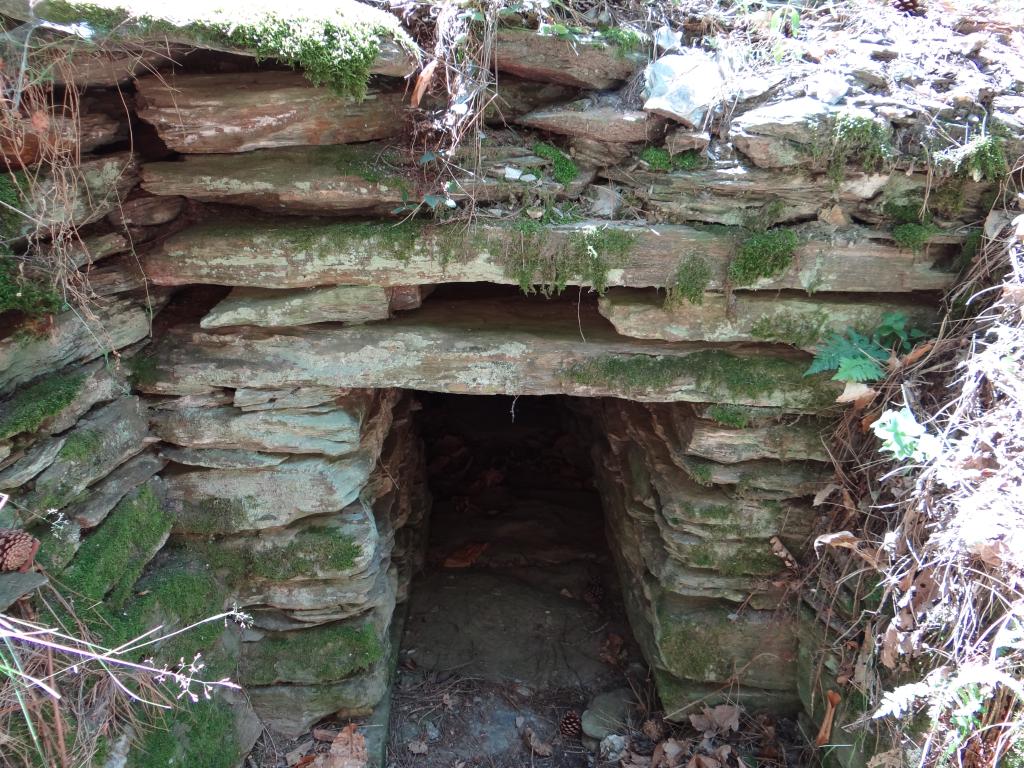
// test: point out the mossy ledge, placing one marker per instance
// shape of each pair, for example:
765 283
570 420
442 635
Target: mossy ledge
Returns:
33 405
763 255
713 370
334 46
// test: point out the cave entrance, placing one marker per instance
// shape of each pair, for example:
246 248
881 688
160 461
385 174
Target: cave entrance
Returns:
517 618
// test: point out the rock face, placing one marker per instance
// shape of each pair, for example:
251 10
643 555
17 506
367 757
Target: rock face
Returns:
260 280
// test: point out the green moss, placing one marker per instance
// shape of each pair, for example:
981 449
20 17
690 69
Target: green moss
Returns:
539 258
308 554
984 158
215 515
324 653
797 330
860 140
189 735
143 371
947 199
335 48
56 548
658 159
111 559
367 162
11 223
22 294
763 255
386 240
626 40
81 445
913 237
691 280
735 416
564 170
714 371
690 647
700 472
905 211
33 405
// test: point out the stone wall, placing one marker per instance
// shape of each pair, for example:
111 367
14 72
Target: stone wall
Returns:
256 448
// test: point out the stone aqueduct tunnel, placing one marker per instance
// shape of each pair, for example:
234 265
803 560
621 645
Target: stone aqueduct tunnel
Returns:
298 365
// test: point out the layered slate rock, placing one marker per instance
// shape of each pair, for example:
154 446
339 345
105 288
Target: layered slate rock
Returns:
799 320
290 254
71 339
316 547
486 347
243 112
693 548
591 63
335 179
279 308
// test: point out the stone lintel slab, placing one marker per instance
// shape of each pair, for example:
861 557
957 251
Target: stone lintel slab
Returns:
303 253
513 346
800 320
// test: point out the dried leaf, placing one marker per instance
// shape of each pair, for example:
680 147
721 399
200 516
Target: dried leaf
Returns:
538 747
891 759
348 750
417 747
465 556
422 83
832 700
917 353
729 757
672 753
703 761
822 496
857 393
633 760
720 719
653 730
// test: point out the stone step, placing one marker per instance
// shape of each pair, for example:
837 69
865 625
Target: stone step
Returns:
514 346
290 253
799 320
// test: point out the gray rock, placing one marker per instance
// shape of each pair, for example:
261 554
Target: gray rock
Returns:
102 441
104 496
36 459
608 713
683 87
780 135
282 308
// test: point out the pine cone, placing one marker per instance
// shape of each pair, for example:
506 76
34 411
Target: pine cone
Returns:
17 550
571 725
910 7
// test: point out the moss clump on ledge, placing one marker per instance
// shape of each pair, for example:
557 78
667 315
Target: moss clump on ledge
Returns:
540 258
858 139
913 237
335 46
763 255
112 558
396 241
659 159
801 331
318 654
310 553
564 170
718 373
691 280
81 445
735 416
33 405
23 294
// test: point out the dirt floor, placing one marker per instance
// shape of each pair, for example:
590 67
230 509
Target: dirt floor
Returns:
517 622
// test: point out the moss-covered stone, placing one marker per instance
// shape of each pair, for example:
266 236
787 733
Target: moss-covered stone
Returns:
763 255
308 554
564 170
658 159
33 405
81 445
796 330
314 655
335 46
23 294
110 560
914 237
189 735
713 370
861 140
691 280
538 260
735 416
